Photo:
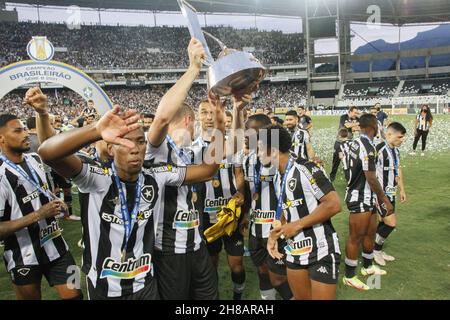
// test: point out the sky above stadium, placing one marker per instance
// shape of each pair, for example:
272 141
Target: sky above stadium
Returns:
361 33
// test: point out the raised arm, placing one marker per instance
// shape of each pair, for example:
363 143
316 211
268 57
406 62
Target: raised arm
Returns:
59 154
177 94
38 101
236 139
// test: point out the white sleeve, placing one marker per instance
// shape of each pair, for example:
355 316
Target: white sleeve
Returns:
3 197
152 152
92 178
170 175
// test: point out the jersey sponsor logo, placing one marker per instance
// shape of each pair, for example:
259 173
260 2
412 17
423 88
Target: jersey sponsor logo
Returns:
141 216
186 220
31 197
148 193
292 184
292 203
215 205
262 217
298 248
49 232
162 169
265 178
390 191
126 270
99 171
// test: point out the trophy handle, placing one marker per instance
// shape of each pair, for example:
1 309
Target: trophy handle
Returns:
222 46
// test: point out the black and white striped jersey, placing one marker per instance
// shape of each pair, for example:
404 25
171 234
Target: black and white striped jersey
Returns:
388 163
300 138
41 242
344 148
214 194
422 123
306 184
362 156
264 206
175 235
112 274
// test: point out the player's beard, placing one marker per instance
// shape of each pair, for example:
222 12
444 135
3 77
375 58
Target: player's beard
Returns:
19 149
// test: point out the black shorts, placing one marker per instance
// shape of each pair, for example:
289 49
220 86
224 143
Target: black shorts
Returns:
234 245
260 255
149 292
382 213
60 182
326 270
360 207
187 276
56 272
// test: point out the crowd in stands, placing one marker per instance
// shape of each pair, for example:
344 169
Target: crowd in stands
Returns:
119 47
418 87
385 89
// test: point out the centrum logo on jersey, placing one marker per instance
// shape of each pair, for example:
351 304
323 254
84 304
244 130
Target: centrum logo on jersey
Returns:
292 203
215 205
186 219
126 270
50 232
297 248
263 217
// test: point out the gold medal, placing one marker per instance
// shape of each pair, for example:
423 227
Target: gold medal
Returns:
194 196
216 183
276 224
124 255
256 196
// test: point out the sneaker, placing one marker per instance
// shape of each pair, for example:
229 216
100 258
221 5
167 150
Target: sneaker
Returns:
246 252
422 154
387 257
355 283
412 153
378 257
373 270
80 244
73 218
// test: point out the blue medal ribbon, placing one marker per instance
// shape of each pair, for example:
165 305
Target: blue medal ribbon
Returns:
34 180
128 219
283 185
180 152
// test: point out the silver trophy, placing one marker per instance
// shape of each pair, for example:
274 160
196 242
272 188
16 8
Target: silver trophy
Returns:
234 72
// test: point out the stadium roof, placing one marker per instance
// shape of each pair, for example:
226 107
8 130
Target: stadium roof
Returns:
392 11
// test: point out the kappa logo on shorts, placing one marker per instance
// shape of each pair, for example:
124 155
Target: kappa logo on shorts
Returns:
23 271
126 270
292 184
322 269
148 193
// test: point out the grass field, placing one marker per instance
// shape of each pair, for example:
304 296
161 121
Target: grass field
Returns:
421 242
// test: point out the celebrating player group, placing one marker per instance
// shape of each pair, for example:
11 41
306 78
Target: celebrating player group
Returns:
158 203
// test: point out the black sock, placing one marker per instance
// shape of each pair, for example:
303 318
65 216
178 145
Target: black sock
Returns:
238 284
264 282
350 267
284 290
383 231
367 259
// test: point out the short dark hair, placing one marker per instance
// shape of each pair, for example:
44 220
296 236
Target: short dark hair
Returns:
90 100
343 133
292 113
397 126
149 115
278 120
284 141
261 118
301 107
31 123
5 118
352 108
367 120
228 113
184 111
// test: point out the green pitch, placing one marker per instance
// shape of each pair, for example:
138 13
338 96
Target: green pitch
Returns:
421 242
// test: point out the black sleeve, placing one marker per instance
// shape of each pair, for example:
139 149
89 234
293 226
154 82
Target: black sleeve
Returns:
342 121
308 119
